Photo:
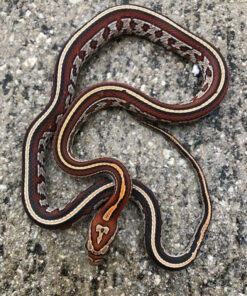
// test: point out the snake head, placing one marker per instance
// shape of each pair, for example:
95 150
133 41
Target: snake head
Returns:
100 237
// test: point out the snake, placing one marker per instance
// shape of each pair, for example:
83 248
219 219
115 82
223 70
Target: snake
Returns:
65 113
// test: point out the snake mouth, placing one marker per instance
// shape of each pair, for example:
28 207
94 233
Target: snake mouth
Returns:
95 261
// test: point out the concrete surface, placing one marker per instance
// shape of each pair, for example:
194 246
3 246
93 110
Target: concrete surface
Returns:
35 261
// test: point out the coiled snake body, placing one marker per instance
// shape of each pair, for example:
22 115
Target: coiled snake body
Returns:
64 114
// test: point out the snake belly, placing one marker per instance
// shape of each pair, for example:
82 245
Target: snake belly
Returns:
63 115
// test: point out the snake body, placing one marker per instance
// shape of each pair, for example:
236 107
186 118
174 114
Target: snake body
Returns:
64 114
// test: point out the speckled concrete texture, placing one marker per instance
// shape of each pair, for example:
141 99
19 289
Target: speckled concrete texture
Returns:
36 261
